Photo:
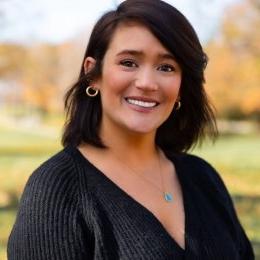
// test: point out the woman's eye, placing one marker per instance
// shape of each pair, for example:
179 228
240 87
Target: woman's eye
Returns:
166 68
128 63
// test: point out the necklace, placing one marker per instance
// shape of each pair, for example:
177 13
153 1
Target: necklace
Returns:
166 195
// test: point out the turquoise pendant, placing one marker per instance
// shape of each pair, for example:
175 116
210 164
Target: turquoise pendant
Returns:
168 197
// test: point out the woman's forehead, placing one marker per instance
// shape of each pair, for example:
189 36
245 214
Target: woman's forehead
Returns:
136 38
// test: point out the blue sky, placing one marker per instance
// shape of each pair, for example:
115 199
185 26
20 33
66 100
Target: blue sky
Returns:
59 20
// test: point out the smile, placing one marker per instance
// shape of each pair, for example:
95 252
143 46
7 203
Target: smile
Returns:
140 103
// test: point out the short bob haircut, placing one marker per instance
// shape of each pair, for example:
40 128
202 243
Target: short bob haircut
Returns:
184 127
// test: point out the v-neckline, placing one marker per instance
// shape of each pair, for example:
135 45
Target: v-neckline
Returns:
147 212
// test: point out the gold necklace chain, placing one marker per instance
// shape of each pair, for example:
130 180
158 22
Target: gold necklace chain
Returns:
166 195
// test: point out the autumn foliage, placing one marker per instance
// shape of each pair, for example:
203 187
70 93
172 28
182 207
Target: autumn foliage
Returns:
39 75
233 74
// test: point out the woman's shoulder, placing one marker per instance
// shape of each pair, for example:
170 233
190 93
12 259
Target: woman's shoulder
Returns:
202 173
57 174
49 210
59 164
191 163
192 160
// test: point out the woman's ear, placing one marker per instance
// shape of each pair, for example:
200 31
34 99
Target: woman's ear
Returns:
89 64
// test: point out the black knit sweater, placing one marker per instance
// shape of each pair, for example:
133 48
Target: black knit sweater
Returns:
70 210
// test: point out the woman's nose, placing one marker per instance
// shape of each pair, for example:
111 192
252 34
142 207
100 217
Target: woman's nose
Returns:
146 80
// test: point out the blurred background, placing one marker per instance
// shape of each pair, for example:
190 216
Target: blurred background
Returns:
42 43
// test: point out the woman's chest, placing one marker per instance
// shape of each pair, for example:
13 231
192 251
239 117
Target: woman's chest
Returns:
121 223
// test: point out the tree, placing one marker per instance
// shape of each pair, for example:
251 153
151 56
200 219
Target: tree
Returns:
233 74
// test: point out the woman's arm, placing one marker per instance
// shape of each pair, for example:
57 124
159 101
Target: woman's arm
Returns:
210 179
49 223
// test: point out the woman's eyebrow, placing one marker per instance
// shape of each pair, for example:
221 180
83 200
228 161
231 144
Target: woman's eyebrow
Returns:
131 52
165 55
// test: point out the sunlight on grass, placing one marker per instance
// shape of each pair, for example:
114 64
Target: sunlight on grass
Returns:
236 158
7 218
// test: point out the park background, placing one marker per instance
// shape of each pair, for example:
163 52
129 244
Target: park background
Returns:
41 48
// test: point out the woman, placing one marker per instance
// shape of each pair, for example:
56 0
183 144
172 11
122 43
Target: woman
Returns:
124 187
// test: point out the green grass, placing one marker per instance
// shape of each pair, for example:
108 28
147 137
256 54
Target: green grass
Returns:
235 157
24 141
237 160
7 217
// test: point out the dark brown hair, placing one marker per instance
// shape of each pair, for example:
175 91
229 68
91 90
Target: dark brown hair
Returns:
184 127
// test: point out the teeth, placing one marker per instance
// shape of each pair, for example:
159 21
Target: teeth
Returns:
141 103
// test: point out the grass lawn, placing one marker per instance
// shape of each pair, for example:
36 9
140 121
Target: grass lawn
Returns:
235 157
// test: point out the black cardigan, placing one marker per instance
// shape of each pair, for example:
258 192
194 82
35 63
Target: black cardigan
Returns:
70 210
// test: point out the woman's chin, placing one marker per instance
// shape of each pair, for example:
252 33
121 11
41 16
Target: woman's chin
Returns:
142 129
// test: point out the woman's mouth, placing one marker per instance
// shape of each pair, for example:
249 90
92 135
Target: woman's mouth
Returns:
142 103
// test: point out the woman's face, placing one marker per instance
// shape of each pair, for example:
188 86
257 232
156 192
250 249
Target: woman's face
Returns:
140 81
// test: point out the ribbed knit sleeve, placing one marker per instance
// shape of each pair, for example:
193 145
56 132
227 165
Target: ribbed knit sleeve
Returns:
243 244
213 186
48 220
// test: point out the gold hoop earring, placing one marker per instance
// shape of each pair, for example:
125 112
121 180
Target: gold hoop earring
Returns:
178 105
91 92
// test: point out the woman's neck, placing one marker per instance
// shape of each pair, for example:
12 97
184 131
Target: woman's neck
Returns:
133 146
